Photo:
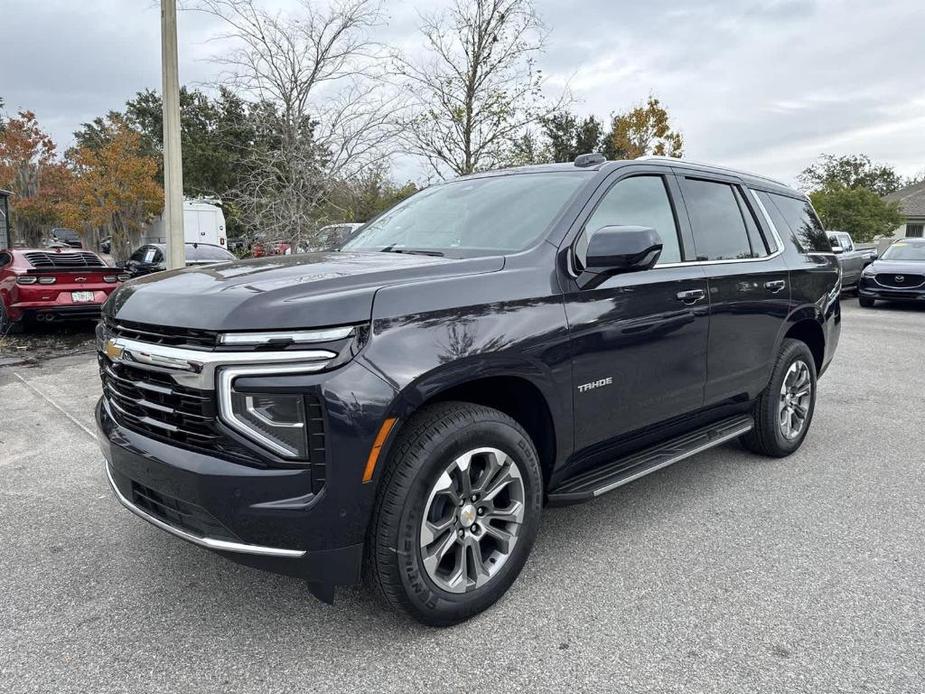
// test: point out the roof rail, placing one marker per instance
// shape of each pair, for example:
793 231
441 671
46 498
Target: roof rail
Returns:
718 167
591 159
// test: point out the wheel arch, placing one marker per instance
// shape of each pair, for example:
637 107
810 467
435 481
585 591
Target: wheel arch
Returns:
525 393
806 327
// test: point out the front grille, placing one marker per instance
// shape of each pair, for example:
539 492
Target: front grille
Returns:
160 335
50 261
908 281
152 403
180 514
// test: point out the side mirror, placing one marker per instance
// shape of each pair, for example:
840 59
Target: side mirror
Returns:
616 249
836 248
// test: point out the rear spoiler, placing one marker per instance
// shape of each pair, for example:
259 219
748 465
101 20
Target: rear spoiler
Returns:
75 270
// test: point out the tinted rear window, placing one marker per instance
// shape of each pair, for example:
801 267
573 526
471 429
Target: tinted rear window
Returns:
719 227
807 230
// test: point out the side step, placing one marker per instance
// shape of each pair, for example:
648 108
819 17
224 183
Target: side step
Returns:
605 478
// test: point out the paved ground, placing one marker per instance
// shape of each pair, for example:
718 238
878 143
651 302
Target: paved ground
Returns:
726 573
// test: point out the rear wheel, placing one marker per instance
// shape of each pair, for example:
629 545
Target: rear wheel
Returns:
784 411
866 302
7 325
456 515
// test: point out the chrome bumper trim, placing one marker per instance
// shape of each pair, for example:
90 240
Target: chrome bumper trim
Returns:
207 542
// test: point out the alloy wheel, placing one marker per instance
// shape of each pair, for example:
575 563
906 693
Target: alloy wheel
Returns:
472 520
795 398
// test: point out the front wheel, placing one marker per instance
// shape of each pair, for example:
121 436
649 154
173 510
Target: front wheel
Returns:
784 410
456 515
866 302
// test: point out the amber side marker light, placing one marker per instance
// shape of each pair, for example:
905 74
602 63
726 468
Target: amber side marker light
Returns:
377 448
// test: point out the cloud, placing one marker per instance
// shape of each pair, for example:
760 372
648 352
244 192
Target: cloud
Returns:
758 84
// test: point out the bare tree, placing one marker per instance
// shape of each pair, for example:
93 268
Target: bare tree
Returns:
333 113
478 89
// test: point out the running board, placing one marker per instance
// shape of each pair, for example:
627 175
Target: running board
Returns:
601 480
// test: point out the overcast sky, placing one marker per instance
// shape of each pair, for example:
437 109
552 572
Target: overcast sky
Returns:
764 86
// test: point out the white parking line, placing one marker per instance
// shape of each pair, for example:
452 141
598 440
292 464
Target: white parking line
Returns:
58 407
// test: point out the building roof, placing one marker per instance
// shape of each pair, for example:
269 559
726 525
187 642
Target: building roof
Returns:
911 199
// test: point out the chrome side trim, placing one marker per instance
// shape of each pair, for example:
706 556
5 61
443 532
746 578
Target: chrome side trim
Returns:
208 542
745 428
196 369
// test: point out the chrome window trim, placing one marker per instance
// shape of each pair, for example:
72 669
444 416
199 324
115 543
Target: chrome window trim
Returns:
195 368
226 376
695 263
208 542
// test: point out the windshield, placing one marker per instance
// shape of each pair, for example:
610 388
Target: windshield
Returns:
903 250
497 214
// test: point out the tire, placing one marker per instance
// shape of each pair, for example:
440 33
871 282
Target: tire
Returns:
8 326
866 302
422 476
769 437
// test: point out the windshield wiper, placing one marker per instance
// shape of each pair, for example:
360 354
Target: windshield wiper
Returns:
411 251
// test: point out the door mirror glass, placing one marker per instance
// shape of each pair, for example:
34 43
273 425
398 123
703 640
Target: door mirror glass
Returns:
617 249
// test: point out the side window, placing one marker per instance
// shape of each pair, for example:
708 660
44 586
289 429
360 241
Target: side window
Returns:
5 259
761 246
636 201
720 232
846 242
139 255
805 226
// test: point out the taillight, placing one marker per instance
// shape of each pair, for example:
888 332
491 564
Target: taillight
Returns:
47 280
124 277
112 279
25 279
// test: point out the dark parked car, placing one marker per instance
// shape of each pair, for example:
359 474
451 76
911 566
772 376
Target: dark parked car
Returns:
152 257
898 275
52 285
68 237
404 409
852 259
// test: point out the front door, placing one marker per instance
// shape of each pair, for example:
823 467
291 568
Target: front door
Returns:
639 339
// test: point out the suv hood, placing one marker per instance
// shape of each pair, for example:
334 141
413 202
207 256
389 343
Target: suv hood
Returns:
279 292
898 267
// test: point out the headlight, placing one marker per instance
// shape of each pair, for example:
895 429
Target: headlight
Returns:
275 420
868 272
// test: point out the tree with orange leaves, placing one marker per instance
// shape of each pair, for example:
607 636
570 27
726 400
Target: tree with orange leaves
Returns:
115 187
644 130
31 171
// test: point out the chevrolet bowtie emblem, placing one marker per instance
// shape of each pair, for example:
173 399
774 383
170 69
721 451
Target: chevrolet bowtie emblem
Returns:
112 350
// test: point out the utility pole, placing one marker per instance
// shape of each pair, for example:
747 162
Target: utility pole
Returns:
173 157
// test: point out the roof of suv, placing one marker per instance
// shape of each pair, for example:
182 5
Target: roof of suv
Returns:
755 180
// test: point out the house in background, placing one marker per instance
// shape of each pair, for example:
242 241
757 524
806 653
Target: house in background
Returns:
5 218
911 201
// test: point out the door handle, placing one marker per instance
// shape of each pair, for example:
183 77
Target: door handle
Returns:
775 286
691 296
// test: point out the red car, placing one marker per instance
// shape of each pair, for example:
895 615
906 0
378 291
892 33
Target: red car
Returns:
53 284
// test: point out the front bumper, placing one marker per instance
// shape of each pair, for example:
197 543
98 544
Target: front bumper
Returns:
269 517
870 289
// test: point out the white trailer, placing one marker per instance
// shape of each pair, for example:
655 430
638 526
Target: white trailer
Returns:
203 222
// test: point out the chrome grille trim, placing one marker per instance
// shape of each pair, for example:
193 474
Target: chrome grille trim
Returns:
196 368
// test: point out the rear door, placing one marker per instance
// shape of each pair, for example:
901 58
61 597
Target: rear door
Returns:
639 339
748 282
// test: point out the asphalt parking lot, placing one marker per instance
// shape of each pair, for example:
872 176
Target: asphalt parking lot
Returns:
726 573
